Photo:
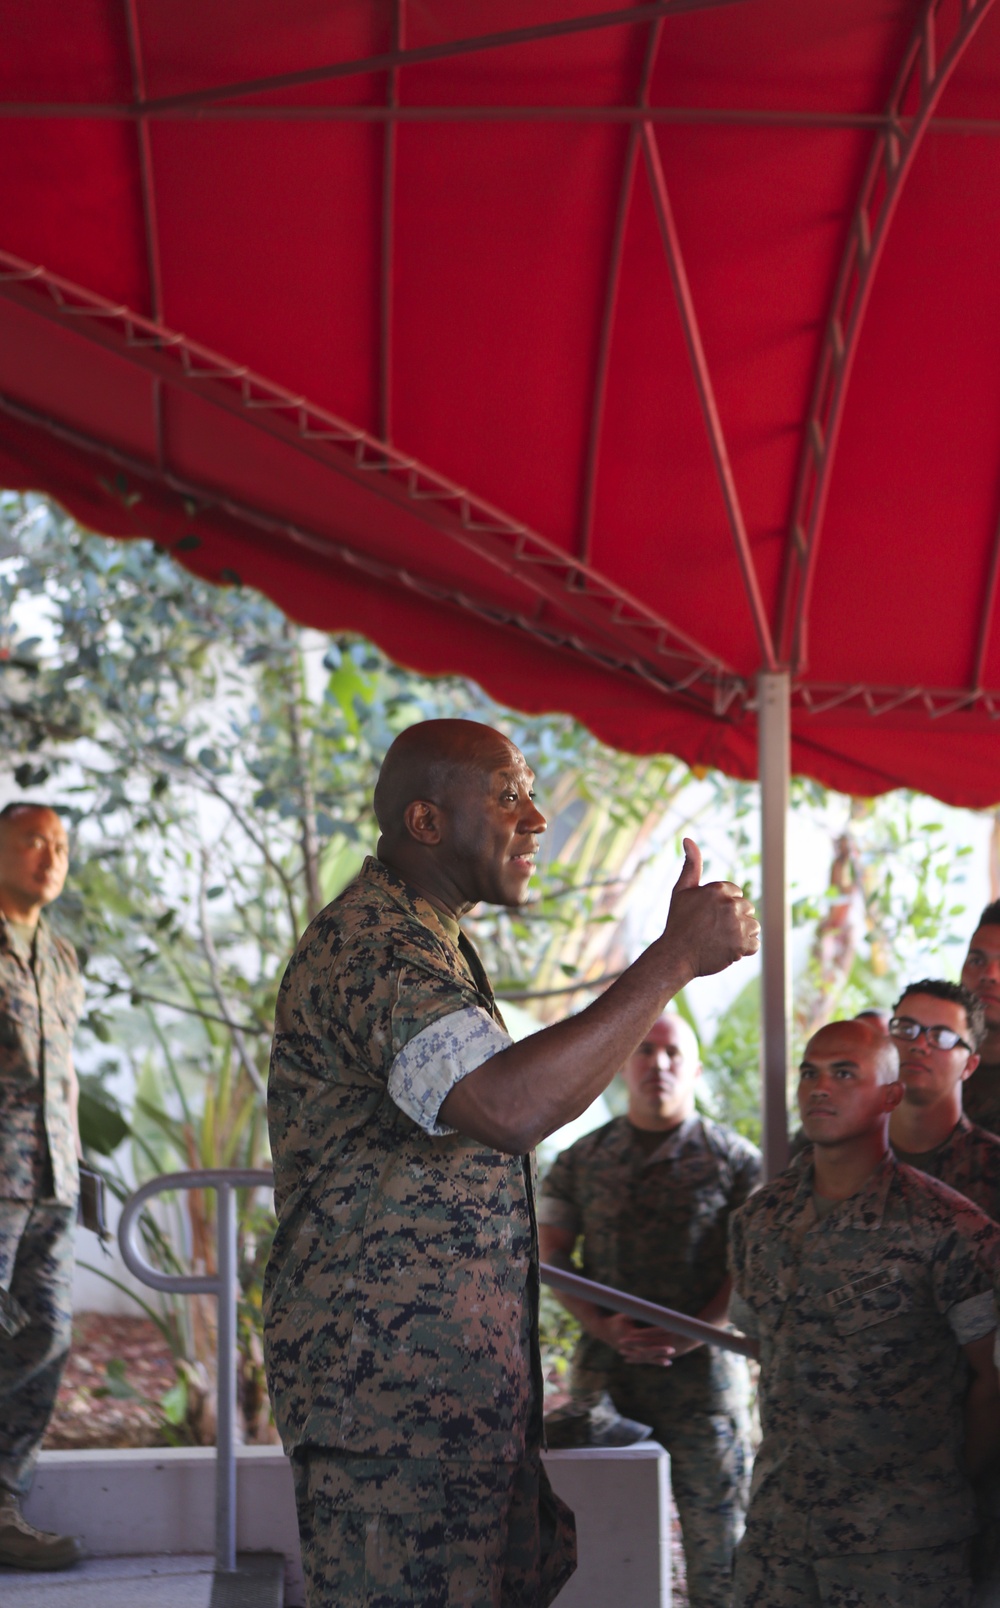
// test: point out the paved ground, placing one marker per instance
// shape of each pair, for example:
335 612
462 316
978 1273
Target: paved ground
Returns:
176 1582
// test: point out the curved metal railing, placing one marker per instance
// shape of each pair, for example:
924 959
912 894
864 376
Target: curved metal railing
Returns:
223 1286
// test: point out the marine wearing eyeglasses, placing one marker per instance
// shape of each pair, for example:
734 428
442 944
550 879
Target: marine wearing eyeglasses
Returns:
937 1028
981 976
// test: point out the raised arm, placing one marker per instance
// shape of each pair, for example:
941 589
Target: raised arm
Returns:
526 1092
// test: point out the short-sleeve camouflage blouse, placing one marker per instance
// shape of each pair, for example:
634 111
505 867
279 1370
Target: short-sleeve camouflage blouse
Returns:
40 1004
401 1292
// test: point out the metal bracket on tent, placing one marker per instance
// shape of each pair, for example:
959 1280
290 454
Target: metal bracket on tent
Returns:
612 620
725 692
823 698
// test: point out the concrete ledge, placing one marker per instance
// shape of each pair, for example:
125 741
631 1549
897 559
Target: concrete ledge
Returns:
621 1499
129 1503
138 1503
174 1582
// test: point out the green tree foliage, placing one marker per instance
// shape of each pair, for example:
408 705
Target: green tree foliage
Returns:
215 764
216 767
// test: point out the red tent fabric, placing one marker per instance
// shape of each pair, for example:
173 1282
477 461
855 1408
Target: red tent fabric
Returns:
607 354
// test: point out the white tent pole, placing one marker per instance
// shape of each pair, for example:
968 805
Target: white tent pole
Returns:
774 744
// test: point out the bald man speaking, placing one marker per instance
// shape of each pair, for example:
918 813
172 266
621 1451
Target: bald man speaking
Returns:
401 1298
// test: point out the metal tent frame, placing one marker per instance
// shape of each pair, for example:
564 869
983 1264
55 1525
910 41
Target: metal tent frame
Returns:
565 601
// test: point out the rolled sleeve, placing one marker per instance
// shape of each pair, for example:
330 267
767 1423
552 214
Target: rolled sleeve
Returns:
742 1316
974 1318
428 1067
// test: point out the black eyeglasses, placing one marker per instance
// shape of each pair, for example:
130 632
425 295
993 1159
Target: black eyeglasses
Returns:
942 1038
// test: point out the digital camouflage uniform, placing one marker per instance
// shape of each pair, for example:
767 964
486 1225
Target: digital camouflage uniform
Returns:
969 1161
861 1313
655 1225
40 1004
401 1295
981 1098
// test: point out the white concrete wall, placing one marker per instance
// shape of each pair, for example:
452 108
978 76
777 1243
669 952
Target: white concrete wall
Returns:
622 1504
135 1503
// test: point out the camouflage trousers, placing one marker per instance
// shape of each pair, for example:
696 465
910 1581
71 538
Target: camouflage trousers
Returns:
414 1533
36 1322
920 1577
706 1430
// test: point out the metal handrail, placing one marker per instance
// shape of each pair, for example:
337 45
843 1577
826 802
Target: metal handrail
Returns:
223 1285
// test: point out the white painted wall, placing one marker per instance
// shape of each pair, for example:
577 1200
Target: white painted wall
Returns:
139 1503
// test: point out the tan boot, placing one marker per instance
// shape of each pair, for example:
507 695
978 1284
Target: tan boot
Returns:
24 1547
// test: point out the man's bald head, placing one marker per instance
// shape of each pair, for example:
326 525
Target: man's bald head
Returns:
848 1086
456 804
661 1074
870 1040
20 807
427 761
34 858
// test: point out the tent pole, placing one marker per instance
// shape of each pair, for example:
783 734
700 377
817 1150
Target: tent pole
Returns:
774 743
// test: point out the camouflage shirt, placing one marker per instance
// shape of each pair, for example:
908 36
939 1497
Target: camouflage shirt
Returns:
981 1098
41 999
654 1225
969 1161
401 1296
861 1316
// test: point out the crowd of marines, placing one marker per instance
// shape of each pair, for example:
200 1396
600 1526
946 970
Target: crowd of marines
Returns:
402 1292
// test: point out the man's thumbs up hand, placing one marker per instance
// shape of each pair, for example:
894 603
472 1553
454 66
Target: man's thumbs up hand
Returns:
691 869
709 927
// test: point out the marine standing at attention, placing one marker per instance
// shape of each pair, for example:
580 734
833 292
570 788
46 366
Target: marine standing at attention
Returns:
41 997
401 1297
937 1027
650 1195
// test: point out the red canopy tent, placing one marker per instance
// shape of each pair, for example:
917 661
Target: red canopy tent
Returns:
614 355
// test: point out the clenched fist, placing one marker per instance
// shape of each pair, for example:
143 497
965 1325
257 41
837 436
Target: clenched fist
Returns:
710 925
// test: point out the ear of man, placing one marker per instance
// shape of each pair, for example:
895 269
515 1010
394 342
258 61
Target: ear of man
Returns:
422 820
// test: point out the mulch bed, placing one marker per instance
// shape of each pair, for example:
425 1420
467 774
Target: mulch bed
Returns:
82 1420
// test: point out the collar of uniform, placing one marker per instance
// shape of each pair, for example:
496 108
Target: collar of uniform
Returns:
407 898
865 1209
671 1144
913 1158
41 940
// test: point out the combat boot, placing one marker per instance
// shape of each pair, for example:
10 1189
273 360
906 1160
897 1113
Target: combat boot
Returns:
24 1547
594 1423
